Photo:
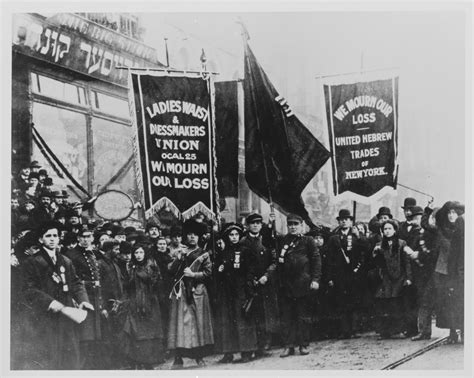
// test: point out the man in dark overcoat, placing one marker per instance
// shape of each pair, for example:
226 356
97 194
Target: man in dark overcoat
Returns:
51 283
93 350
299 272
266 301
345 253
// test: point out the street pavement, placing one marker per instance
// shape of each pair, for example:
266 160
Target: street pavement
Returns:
363 353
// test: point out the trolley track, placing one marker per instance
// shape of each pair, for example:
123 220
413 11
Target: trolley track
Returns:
419 352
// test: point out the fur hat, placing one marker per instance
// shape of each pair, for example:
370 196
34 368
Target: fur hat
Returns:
191 226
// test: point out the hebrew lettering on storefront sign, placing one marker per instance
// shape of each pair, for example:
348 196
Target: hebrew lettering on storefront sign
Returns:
64 47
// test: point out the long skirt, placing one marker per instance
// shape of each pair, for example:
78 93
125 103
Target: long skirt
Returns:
390 317
190 323
236 332
449 304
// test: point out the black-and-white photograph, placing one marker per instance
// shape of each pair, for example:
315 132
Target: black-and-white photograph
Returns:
231 186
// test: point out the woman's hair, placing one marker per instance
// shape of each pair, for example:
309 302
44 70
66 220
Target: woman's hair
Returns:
364 226
137 246
394 238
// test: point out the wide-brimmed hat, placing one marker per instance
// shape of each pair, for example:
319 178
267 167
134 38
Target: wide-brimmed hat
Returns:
441 215
408 203
384 211
253 217
343 214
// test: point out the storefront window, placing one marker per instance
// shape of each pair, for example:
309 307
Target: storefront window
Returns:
110 105
112 152
64 131
57 89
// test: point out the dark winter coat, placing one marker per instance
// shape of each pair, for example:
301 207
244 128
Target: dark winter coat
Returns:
298 266
237 332
264 260
345 263
394 268
55 337
87 268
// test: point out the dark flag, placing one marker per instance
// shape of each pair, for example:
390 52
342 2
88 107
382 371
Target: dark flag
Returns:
227 138
281 154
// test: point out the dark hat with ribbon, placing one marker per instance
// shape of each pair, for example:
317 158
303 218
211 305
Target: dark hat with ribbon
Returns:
253 217
416 210
384 211
344 214
232 226
191 226
294 218
408 203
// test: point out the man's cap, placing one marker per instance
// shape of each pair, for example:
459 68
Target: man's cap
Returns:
294 218
408 203
253 217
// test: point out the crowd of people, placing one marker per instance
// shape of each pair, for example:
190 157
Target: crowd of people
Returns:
90 294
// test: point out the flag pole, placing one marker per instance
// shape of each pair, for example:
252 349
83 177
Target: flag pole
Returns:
245 38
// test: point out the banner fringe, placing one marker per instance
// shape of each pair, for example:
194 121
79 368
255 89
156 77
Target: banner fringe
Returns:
160 204
198 208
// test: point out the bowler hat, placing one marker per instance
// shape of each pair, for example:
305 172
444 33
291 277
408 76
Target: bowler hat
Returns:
294 218
408 203
33 175
35 164
344 214
253 217
65 193
43 172
416 210
384 211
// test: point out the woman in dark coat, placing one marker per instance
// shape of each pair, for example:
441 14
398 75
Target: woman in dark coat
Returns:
448 278
190 332
143 331
234 277
394 268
